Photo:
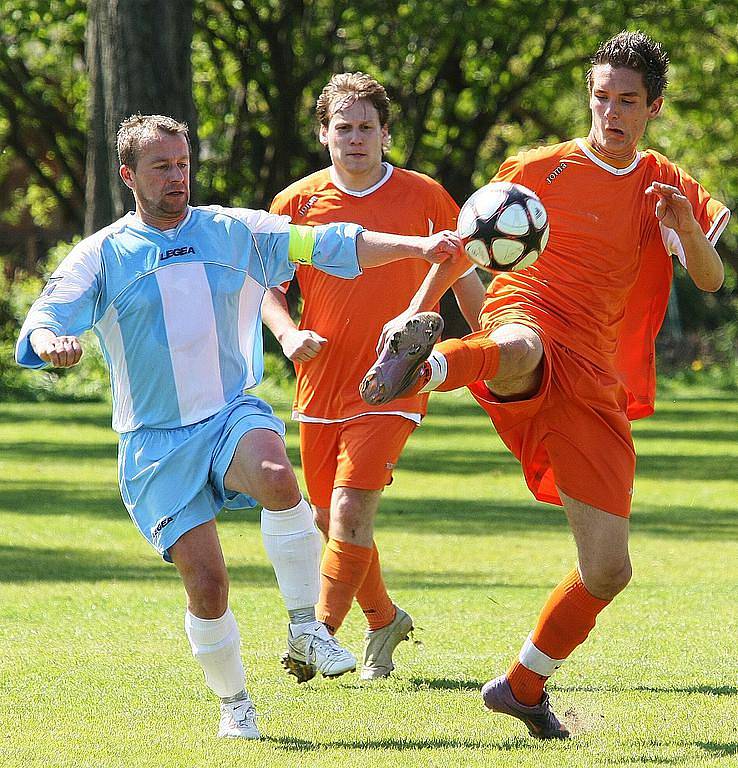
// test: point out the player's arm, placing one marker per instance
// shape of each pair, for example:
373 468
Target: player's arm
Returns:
297 345
674 211
376 248
60 351
439 279
469 293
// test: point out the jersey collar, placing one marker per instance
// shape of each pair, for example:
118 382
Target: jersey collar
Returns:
136 223
582 144
388 169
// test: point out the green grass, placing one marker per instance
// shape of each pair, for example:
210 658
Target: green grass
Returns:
95 670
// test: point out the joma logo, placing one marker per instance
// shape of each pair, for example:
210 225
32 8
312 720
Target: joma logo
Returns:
556 172
305 207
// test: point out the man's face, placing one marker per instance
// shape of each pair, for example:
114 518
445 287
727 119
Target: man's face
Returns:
620 113
161 179
355 138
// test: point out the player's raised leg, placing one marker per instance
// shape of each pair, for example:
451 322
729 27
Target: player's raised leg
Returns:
212 629
566 620
261 469
508 358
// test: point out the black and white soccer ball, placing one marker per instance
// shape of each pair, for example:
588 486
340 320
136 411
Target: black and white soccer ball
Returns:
504 227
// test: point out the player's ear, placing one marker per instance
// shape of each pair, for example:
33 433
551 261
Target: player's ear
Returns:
386 139
655 107
323 135
127 175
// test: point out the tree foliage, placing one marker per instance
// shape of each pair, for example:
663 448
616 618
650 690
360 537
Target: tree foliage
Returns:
471 82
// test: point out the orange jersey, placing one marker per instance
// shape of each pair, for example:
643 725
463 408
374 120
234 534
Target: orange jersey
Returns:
601 287
351 313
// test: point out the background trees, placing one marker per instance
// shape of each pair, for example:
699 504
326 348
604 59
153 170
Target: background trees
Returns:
471 82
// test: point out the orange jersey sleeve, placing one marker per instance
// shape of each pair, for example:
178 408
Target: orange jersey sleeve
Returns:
351 313
649 298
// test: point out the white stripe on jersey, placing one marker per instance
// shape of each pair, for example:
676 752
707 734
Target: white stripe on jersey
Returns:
249 302
189 318
124 419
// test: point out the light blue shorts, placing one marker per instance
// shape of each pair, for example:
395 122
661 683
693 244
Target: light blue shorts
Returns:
171 480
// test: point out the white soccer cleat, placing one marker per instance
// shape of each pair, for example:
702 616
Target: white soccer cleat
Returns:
238 720
316 650
379 645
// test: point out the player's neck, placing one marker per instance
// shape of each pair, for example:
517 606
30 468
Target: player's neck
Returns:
616 161
160 223
358 182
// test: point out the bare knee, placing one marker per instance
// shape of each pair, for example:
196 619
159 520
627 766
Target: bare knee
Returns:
607 579
521 361
352 515
275 485
347 513
523 353
207 593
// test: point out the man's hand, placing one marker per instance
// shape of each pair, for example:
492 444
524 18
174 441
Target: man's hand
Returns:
673 209
442 246
60 351
301 346
391 326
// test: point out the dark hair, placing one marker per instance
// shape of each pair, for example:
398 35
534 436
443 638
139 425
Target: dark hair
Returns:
346 89
637 51
138 130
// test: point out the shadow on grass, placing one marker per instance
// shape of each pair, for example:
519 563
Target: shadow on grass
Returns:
293 744
52 451
55 414
67 564
709 690
482 517
444 684
462 517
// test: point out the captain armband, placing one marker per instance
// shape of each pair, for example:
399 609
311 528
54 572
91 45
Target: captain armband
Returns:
301 245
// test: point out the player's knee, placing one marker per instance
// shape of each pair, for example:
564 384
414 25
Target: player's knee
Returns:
524 353
347 513
609 579
208 593
276 485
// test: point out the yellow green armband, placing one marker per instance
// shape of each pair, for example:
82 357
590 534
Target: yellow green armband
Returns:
302 243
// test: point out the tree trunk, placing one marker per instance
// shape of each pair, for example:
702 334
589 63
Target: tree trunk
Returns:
139 60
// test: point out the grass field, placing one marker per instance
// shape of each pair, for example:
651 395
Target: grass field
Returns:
95 670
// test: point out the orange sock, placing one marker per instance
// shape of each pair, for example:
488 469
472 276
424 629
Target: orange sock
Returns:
342 571
373 598
474 358
565 621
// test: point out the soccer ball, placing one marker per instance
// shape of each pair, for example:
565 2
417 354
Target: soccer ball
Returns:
504 227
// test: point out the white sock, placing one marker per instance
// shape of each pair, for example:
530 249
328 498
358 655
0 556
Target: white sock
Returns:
439 370
216 644
293 545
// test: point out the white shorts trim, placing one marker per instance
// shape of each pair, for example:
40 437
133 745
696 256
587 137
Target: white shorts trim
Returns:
297 416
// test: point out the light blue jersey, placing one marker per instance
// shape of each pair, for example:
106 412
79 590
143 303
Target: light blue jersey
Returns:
178 312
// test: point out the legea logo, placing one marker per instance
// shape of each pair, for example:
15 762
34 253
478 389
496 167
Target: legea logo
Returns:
183 251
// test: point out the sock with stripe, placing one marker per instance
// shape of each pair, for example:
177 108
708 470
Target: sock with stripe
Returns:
564 623
456 363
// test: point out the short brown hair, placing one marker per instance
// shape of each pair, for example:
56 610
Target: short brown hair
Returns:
346 89
138 130
639 52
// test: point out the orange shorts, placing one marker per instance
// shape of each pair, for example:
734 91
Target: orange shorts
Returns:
358 453
573 434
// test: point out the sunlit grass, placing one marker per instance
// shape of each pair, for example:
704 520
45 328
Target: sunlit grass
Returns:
95 670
